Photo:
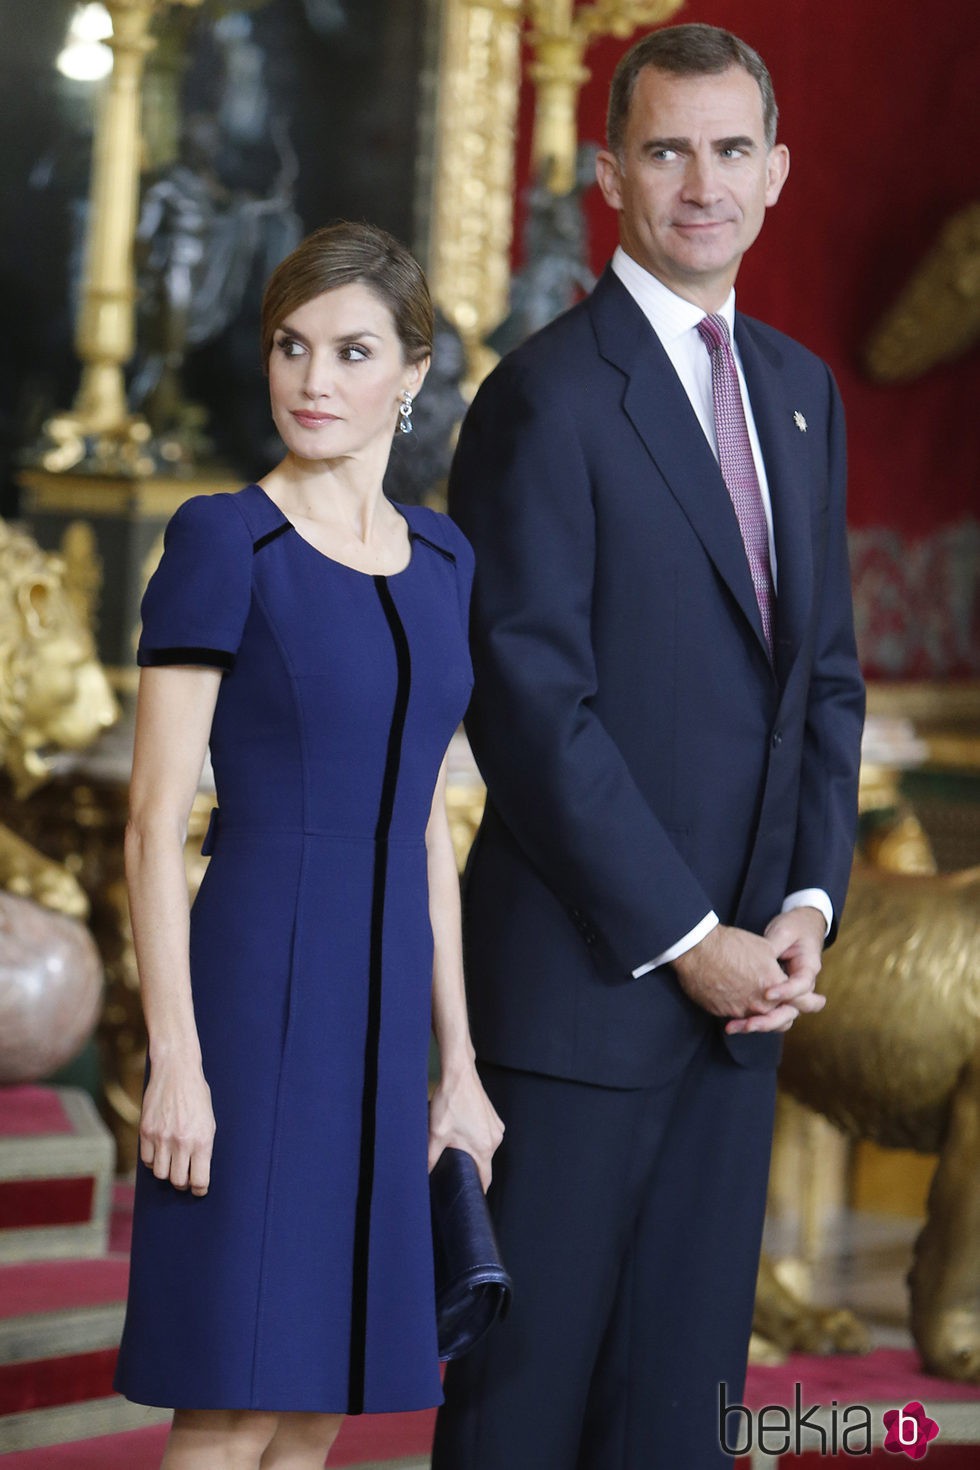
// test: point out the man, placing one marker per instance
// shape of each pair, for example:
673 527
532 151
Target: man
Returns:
667 713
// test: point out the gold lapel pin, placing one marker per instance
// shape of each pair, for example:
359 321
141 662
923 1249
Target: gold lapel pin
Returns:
799 421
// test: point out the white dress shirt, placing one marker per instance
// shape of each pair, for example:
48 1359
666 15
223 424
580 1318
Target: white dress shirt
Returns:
675 322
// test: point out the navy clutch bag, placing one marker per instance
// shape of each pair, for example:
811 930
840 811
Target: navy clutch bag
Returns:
473 1288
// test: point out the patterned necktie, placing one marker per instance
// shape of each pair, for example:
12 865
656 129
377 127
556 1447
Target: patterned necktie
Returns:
737 464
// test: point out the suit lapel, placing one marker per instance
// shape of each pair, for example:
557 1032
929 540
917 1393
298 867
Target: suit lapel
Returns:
783 449
660 412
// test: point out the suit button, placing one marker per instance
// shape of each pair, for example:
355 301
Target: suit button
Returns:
777 738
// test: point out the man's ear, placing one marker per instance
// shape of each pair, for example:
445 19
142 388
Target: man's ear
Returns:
777 169
608 178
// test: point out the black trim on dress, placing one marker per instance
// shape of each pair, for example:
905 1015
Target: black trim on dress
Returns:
434 545
272 535
365 1187
215 658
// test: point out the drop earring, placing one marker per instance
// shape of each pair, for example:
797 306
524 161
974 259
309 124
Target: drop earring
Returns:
405 425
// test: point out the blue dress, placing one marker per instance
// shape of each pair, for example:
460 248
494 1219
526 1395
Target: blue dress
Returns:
303 1279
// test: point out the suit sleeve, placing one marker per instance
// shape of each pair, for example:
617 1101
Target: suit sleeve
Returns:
520 490
827 820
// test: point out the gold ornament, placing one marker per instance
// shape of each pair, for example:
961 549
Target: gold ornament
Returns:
104 335
473 193
937 316
895 1057
54 696
83 570
479 82
53 691
560 36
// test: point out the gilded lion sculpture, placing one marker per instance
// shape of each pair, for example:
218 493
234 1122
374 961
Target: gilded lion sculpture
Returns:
54 696
895 1057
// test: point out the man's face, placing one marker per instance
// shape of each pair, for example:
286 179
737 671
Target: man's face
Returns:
695 179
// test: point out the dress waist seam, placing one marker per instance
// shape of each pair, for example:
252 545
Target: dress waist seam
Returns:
224 826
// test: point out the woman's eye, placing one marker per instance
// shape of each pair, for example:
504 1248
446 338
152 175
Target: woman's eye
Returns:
289 347
354 352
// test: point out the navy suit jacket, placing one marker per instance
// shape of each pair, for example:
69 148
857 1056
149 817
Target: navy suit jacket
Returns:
645 760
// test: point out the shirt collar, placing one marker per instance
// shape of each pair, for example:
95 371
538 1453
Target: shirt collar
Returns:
669 315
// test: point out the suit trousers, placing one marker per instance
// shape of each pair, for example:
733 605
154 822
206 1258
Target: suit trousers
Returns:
631 1223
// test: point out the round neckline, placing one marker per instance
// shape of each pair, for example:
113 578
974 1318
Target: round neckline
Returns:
335 561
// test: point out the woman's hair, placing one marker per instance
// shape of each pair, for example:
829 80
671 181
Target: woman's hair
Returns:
340 255
685 51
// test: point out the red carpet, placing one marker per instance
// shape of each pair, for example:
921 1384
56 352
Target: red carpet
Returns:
370 1439
44 1383
887 1376
937 1457
394 1437
48 1286
55 1160
28 1112
884 1379
37 1287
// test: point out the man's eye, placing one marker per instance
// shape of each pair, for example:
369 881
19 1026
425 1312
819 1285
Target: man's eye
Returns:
664 155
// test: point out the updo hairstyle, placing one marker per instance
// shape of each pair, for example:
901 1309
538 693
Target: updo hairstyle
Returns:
340 255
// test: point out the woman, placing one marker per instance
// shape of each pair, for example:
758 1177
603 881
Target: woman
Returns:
316 634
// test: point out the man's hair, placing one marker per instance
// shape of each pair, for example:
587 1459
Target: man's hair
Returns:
686 51
339 255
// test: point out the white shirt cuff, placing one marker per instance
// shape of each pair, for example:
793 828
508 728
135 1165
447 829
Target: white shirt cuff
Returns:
693 937
810 898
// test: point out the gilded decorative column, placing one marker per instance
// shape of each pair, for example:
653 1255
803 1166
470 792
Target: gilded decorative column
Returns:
561 34
95 462
558 74
104 336
473 207
479 84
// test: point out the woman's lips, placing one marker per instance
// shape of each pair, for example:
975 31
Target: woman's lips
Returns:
313 420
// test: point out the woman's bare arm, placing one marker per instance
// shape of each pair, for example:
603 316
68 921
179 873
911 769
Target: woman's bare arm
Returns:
173 723
460 1115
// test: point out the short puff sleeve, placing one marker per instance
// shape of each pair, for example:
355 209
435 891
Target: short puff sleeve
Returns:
197 600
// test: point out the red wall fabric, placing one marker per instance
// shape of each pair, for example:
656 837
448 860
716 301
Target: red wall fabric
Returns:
878 102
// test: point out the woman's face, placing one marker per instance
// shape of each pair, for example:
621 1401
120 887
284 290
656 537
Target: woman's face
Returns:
336 375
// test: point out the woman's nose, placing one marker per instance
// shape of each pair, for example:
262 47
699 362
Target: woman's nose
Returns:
319 379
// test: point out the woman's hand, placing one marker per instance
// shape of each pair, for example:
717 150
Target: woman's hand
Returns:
462 1116
177 1126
